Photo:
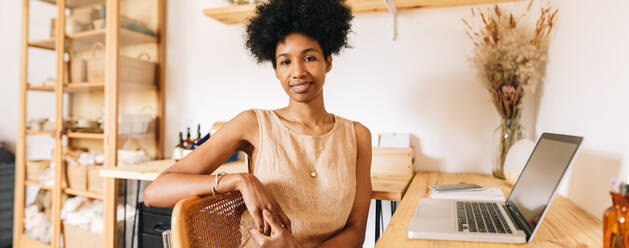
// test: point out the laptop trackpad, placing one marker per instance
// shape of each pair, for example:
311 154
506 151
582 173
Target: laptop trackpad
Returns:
433 215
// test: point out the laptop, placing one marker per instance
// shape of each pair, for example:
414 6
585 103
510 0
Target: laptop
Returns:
512 221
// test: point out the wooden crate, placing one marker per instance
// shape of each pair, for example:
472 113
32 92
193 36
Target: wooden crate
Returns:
393 162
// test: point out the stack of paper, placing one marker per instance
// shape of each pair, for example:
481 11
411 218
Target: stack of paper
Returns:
484 194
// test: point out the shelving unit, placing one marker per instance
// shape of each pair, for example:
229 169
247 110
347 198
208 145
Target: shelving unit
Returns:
118 42
239 14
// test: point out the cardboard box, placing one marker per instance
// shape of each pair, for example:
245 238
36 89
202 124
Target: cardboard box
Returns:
95 182
76 176
34 168
75 237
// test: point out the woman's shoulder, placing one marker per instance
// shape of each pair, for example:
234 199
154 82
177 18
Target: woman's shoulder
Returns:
245 123
359 127
361 131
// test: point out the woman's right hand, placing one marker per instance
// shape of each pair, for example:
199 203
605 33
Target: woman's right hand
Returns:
257 199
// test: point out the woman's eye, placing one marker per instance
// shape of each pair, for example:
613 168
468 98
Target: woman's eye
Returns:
284 62
309 58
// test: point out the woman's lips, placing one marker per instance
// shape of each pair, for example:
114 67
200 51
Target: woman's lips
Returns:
302 88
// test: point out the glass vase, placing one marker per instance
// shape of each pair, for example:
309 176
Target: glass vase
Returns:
506 134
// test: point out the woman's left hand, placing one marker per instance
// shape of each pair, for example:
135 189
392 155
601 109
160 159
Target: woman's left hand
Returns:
280 237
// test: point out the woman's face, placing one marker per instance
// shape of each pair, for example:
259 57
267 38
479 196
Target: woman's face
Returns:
301 67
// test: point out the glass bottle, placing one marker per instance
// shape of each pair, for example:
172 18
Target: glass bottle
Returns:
198 134
178 152
615 227
188 142
180 145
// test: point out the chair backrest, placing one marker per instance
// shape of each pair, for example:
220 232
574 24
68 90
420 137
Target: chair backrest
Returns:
210 221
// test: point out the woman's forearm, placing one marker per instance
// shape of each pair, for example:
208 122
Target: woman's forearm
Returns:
170 187
349 237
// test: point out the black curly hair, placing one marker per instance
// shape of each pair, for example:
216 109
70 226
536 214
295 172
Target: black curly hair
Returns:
326 21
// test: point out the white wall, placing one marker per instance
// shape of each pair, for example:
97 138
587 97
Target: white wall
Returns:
420 84
586 94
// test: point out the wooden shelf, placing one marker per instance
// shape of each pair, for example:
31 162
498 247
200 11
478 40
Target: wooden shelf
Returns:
36 184
76 3
236 14
84 40
92 86
239 14
43 44
92 195
140 136
136 86
80 135
50 88
82 87
32 132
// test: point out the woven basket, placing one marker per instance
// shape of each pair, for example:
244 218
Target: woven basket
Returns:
34 168
131 70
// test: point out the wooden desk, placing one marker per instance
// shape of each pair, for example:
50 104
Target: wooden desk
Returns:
150 170
565 225
385 187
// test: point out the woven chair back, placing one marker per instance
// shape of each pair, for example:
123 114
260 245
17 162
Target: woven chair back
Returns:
210 221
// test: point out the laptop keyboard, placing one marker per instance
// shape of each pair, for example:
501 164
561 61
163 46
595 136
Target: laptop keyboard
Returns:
484 217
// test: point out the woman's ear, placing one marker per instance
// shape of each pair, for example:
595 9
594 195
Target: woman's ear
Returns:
328 63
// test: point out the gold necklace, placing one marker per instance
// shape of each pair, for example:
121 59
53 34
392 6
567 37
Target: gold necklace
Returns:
313 173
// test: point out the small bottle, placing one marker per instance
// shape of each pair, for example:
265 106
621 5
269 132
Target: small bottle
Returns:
188 142
198 134
181 145
612 236
178 152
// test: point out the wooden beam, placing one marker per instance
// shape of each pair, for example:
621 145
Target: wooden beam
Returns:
112 61
20 149
161 83
57 190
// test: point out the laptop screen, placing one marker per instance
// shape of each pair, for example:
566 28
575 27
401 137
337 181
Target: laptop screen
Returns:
541 175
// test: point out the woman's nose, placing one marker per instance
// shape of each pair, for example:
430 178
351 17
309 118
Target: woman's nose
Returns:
298 70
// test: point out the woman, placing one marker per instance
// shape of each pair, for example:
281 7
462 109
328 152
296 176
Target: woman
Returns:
309 184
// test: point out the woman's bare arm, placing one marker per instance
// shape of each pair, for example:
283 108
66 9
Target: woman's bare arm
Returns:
191 175
353 235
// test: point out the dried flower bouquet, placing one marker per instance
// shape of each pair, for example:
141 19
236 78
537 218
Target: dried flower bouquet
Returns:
510 60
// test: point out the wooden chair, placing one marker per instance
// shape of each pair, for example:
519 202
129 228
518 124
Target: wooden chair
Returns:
210 221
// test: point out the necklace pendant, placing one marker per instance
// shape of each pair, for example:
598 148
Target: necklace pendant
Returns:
313 174
321 147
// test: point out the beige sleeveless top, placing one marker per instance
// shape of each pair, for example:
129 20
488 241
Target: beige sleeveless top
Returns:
317 207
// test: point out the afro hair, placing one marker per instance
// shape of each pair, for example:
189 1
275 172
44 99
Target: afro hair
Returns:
326 21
